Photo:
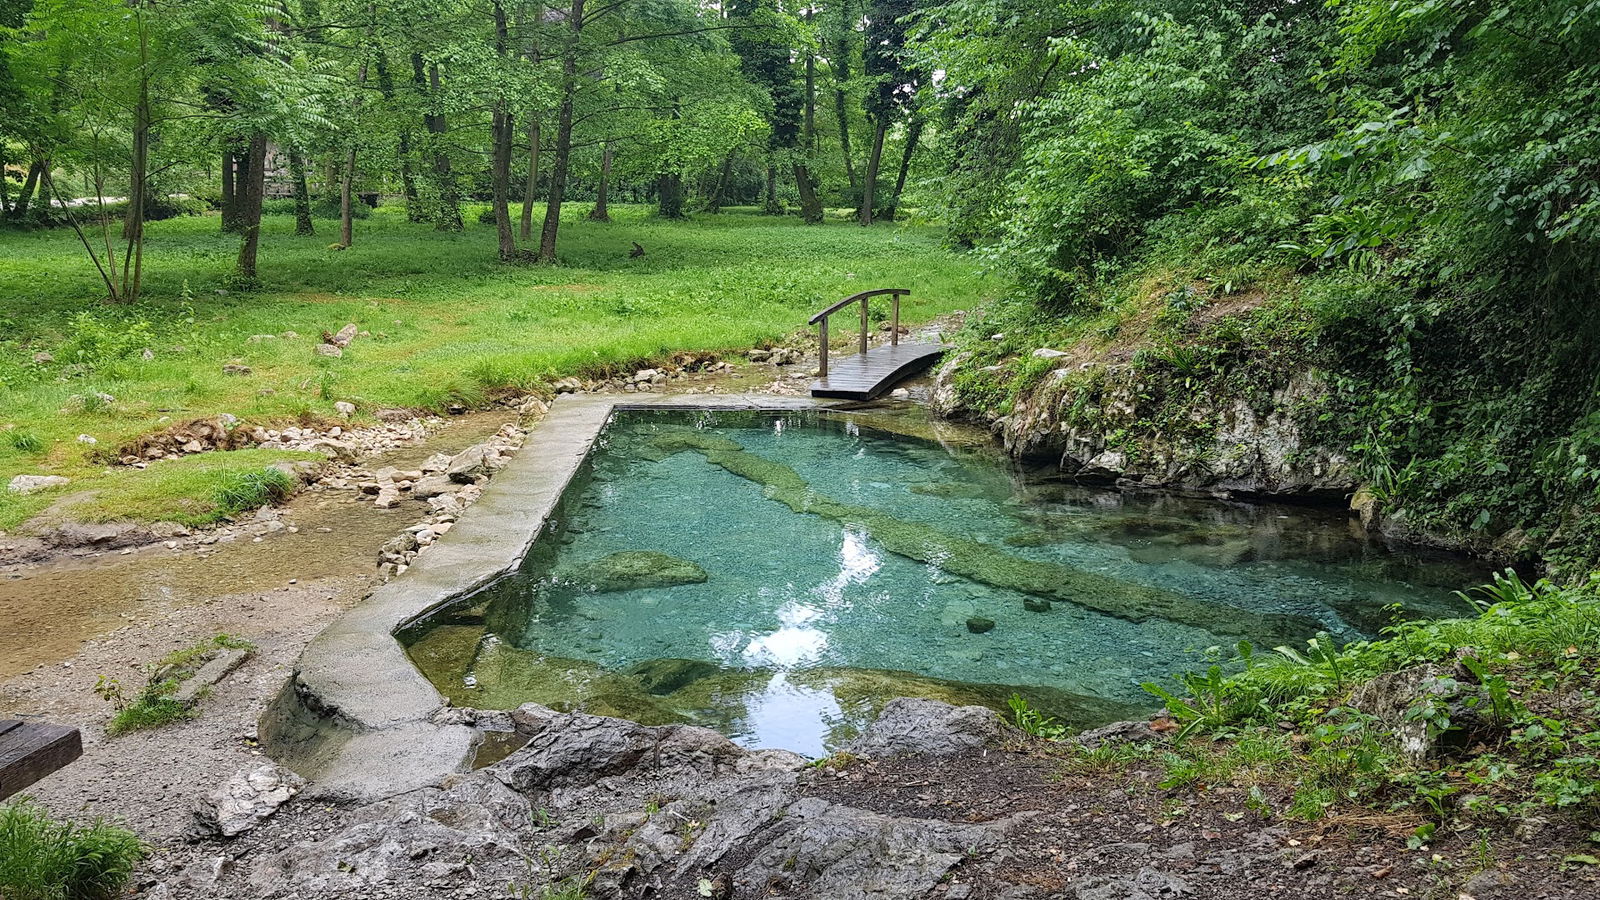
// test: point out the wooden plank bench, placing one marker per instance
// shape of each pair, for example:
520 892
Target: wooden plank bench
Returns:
31 750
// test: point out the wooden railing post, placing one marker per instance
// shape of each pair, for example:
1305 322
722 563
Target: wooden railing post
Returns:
894 320
822 353
863 324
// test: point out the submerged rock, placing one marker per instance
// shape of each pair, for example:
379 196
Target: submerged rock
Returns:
663 676
980 625
1036 604
629 570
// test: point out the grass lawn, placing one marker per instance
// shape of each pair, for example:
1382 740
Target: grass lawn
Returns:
447 322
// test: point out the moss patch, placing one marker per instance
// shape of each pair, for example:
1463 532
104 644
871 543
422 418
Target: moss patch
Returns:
630 570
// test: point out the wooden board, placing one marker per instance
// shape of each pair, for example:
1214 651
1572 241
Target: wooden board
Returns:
31 750
860 376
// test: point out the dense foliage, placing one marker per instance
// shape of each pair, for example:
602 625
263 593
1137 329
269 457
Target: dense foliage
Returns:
1412 186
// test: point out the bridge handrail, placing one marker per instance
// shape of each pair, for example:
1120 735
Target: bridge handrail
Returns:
821 321
864 295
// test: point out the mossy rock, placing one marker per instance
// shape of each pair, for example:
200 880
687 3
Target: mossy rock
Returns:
445 654
629 570
663 676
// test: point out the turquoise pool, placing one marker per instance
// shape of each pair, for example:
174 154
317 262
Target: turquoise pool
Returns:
778 576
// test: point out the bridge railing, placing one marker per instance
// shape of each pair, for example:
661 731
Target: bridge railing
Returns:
821 321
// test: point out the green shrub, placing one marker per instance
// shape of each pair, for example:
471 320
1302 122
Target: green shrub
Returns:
43 859
243 491
22 440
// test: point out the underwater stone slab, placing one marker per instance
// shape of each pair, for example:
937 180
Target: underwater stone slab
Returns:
628 570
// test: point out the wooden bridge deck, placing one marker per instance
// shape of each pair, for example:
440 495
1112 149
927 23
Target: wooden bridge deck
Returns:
31 750
863 376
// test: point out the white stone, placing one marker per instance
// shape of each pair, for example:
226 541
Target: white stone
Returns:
28 484
1048 353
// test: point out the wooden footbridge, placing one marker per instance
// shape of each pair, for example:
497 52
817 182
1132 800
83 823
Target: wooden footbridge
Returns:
869 373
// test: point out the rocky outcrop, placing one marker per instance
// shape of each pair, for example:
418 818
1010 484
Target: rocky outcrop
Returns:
1093 422
914 726
31 484
628 810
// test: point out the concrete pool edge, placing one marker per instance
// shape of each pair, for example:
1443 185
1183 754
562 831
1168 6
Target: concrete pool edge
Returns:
356 717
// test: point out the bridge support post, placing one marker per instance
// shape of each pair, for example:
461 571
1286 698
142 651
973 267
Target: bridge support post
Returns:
822 350
863 324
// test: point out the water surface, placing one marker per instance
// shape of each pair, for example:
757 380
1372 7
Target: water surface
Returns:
844 564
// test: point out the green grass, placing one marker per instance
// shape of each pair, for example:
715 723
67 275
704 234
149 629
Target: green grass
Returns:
43 859
447 322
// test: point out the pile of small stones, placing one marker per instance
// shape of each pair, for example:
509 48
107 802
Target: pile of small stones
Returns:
641 381
778 356
339 442
449 484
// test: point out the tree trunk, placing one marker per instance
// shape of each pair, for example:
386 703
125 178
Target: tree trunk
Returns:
842 110
347 179
408 179
810 206
601 213
230 198
138 178
250 209
869 185
29 185
810 132
558 174
771 207
714 202
502 131
5 185
530 192
913 134
302 195
347 213
447 213
669 195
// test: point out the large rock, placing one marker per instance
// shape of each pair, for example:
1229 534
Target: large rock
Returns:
29 484
466 466
568 749
911 725
1394 697
245 800
633 569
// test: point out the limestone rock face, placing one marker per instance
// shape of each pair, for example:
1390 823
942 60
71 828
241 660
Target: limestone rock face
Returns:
912 725
632 569
1259 447
245 800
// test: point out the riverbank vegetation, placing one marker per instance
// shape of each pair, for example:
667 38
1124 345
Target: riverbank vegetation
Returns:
445 324
1402 196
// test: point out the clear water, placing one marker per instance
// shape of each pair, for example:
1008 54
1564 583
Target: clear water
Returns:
805 623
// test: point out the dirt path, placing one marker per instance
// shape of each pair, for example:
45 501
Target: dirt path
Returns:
71 621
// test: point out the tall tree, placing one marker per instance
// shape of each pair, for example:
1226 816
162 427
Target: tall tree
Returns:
891 86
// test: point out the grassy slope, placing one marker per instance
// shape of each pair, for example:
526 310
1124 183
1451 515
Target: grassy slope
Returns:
447 322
